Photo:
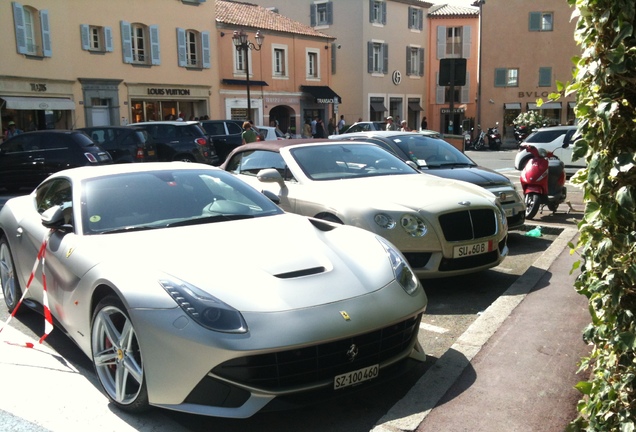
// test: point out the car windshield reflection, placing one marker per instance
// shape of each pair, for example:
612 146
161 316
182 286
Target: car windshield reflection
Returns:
160 199
343 161
432 152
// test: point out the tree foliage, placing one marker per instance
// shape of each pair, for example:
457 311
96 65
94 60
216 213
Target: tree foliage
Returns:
605 83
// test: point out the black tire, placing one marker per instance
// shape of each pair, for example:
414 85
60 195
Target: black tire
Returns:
533 201
118 357
8 278
184 158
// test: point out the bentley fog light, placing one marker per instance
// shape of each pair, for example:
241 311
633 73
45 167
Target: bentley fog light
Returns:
203 308
385 221
413 225
403 273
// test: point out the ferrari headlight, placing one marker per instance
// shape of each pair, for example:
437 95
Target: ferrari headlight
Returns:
385 221
413 225
403 273
203 308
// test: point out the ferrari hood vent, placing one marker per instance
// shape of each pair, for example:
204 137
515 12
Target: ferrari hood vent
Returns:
299 273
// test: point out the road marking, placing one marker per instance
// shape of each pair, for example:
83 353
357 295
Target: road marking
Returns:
432 328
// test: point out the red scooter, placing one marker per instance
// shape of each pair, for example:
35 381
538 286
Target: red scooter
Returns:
543 181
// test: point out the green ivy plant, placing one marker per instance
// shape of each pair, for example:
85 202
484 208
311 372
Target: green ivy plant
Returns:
605 84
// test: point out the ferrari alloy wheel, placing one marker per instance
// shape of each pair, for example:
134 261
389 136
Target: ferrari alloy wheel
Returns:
10 285
532 205
117 357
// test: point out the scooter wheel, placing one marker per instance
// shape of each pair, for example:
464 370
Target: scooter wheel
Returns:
532 205
553 206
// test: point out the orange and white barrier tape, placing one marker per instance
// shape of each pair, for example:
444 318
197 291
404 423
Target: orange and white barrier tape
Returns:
48 318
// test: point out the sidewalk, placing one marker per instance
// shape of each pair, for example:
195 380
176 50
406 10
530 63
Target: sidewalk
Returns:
513 375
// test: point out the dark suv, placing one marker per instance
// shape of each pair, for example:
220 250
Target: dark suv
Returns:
225 135
29 158
180 141
124 143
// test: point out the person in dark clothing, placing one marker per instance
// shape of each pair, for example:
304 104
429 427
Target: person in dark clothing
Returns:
424 123
320 129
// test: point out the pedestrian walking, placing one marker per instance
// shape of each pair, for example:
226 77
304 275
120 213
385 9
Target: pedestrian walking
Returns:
249 135
12 130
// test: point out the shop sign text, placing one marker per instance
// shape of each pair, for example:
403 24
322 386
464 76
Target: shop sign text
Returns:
168 92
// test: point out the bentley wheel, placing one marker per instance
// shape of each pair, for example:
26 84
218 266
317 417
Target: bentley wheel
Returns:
117 356
532 205
10 285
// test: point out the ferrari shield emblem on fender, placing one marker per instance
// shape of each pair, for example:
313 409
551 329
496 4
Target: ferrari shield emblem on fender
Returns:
69 252
345 315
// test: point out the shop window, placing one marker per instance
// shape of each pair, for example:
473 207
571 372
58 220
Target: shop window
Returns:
321 14
377 12
32 31
541 21
193 48
414 61
96 38
140 43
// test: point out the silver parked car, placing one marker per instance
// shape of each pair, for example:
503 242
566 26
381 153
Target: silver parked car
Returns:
443 227
191 291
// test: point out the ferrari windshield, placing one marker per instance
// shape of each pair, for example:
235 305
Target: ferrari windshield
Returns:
345 160
159 199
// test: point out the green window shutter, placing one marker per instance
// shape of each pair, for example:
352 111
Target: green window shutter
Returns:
501 77
545 77
534 21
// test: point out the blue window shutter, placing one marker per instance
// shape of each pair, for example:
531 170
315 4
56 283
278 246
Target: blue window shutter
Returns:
126 42
46 33
421 55
501 75
108 36
334 47
383 12
181 47
440 91
155 52
408 60
312 14
465 94
371 3
466 42
534 21
385 54
84 35
205 49
441 42
545 76
18 21
370 57
420 19
330 13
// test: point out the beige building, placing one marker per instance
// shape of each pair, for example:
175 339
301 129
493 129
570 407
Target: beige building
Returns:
527 46
69 64
289 73
378 58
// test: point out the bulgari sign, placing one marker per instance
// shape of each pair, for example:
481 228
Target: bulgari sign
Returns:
534 94
160 91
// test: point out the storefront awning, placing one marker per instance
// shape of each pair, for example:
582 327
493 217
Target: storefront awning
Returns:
378 106
322 94
415 106
512 106
548 105
35 103
244 82
572 104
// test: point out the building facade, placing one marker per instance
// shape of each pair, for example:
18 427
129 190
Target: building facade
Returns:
289 73
66 66
379 56
526 47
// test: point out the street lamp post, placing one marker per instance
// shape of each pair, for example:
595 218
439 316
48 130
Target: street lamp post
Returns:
239 38
480 4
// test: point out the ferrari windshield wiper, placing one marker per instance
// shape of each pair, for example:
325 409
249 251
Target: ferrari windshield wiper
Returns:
129 229
210 219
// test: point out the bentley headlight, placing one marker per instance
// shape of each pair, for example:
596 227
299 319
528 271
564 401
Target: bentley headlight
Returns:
403 273
413 225
385 221
203 308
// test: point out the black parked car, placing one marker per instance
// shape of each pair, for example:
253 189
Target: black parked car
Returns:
180 141
225 135
124 143
27 159
433 155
